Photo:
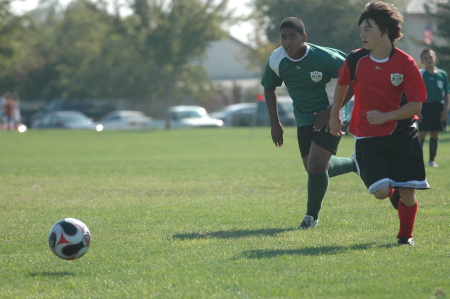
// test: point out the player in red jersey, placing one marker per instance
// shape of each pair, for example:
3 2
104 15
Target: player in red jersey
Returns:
389 92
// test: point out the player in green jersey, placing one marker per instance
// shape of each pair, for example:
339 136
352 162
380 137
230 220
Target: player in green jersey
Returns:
310 73
434 111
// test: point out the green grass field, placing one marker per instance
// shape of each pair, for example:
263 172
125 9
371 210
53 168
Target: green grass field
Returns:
207 214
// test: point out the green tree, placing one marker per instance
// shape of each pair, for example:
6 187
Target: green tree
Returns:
19 49
328 23
176 33
443 26
84 51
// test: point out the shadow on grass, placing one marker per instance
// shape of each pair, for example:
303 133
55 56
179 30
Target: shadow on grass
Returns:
233 234
52 274
311 251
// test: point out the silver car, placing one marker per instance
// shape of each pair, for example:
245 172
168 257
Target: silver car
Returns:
190 116
126 120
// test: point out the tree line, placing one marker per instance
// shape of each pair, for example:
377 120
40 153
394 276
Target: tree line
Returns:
86 51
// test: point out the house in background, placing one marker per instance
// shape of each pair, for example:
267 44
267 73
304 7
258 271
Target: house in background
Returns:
419 27
226 63
226 59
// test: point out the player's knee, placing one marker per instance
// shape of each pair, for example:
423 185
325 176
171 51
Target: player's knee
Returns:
382 193
317 168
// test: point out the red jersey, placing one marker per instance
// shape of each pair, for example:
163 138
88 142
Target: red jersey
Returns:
381 85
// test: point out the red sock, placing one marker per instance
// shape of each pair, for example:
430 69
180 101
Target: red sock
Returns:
407 216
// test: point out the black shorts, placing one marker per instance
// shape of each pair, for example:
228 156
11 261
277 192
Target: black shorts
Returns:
395 160
306 135
431 120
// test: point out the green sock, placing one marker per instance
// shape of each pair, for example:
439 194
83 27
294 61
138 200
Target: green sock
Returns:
339 165
433 148
317 187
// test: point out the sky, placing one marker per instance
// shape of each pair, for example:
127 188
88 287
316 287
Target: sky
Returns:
239 32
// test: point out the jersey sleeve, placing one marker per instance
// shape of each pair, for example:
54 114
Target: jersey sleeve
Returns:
344 77
414 86
335 63
270 79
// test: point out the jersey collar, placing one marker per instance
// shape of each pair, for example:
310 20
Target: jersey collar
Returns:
387 58
306 53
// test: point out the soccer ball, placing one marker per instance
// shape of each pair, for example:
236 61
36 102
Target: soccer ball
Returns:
69 239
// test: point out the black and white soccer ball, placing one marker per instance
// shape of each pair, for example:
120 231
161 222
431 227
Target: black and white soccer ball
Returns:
69 239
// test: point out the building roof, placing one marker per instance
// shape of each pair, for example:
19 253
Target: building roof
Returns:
419 6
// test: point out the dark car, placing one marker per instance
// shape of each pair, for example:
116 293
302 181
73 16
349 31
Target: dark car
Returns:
87 108
287 118
241 114
66 120
254 114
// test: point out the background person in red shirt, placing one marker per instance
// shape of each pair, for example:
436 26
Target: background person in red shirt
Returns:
8 111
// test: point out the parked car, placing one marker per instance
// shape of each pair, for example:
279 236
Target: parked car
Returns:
241 114
191 117
87 108
66 120
126 120
255 114
285 113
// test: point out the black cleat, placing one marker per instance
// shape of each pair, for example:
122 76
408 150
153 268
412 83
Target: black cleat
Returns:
395 199
405 241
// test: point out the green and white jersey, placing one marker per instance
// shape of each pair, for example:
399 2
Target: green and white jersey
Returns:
310 80
437 85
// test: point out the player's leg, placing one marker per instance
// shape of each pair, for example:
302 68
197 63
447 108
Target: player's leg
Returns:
407 211
323 146
434 141
407 172
315 159
341 165
422 136
304 144
317 179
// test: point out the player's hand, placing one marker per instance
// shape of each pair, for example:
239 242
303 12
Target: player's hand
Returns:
420 116
323 118
444 115
277 134
335 126
376 117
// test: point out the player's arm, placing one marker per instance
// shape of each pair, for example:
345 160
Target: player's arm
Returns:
275 124
376 117
336 124
323 116
446 107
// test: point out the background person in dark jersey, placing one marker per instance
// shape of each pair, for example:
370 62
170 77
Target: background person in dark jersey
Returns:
309 73
389 92
435 109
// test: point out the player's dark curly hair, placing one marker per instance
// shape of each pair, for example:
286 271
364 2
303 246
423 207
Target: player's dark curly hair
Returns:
386 16
293 22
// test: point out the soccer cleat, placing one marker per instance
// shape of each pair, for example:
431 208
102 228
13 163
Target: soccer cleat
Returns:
405 241
395 199
433 164
308 222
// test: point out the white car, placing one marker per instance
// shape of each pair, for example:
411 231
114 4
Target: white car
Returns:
126 120
192 117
